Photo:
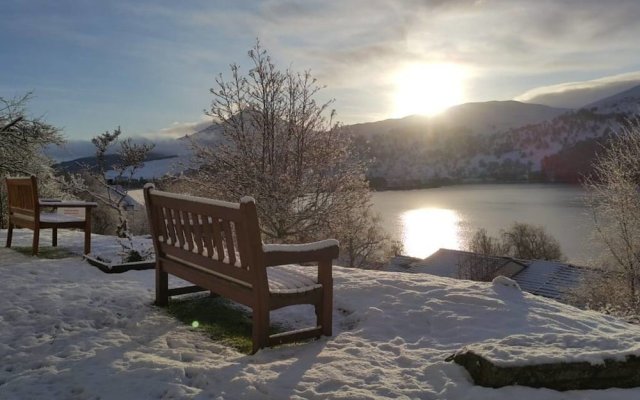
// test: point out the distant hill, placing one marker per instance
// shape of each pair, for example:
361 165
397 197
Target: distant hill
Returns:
489 141
470 118
78 164
627 101
492 141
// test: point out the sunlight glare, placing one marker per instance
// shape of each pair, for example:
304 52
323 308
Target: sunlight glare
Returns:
425 230
428 89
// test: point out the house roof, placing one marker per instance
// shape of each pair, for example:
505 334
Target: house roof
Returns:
550 279
446 262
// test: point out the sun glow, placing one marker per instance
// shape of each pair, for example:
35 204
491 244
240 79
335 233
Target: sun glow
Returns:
428 89
425 230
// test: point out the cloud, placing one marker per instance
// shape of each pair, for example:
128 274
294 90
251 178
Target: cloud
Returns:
578 94
179 129
165 54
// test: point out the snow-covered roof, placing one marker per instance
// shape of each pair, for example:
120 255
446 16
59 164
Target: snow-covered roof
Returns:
445 263
550 278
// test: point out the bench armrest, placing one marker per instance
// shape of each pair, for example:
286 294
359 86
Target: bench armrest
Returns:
279 254
63 204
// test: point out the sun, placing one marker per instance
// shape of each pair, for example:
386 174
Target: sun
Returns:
428 89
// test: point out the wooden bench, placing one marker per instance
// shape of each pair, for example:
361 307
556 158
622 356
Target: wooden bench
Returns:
25 211
217 246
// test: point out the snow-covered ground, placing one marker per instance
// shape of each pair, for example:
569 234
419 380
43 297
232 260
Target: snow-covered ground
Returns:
69 331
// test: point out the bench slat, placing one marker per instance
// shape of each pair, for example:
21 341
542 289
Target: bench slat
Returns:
168 221
217 237
177 214
242 245
199 208
197 232
207 236
187 226
234 272
228 241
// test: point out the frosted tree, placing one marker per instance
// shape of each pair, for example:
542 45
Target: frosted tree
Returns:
520 241
614 201
22 141
530 242
111 189
281 146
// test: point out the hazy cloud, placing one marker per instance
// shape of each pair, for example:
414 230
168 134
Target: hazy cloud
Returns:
179 129
577 94
164 54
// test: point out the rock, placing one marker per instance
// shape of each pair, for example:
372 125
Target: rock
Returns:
558 376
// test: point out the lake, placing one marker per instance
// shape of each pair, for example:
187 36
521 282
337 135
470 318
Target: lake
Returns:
427 219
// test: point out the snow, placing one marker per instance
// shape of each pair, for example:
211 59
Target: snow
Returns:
155 169
247 199
296 248
69 331
203 200
67 203
58 218
285 279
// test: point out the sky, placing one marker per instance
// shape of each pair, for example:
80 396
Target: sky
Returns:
147 66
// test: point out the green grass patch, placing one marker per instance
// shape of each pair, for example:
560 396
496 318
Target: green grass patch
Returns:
218 318
48 252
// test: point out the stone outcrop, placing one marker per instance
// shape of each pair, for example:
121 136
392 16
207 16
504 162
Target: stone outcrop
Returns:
559 376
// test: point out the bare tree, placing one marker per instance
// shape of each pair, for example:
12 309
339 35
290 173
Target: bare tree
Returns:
521 240
22 141
483 243
614 202
475 267
111 189
282 147
488 255
530 242
482 263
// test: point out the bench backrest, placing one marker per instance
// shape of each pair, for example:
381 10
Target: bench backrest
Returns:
22 196
221 236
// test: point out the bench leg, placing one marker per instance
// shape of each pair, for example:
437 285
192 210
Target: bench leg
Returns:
36 241
87 232
54 237
9 234
162 287
260 328
326 311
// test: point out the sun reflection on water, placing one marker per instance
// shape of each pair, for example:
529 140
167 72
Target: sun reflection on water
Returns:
425 230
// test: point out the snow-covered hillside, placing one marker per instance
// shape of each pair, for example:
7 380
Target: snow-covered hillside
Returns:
624 102
469 118
494 140
69 331
158 168
415 157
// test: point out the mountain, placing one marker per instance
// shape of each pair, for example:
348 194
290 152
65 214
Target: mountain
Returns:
75 166
210 135
469 118
627 101
490 141
493 141
578 94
